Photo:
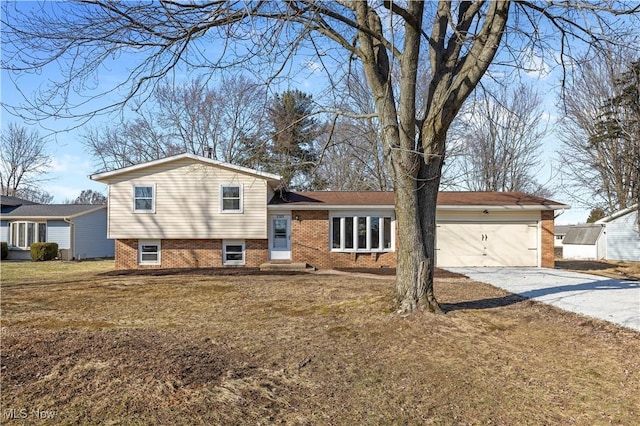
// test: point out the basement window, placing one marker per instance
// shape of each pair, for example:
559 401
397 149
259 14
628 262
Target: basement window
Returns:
149 252
233 253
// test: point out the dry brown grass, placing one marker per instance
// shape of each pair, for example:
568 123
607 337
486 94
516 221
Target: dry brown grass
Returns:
310 349
605 268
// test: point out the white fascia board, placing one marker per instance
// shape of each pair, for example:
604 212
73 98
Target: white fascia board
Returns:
289 207
101 177
505 208
618 214
54 217
278 207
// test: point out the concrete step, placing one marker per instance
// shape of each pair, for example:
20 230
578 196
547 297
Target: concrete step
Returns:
286 267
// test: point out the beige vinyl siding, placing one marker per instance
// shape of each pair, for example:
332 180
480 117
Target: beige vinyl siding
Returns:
187 204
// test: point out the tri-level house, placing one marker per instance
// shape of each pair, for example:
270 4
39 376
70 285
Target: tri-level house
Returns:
192 211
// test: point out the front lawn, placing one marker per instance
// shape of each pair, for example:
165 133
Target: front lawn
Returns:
86 346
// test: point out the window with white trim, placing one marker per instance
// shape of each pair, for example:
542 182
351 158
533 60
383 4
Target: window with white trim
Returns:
149 252
362 233
144 198
23 234
231 198
233 252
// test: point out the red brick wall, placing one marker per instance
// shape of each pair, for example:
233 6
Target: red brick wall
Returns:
547 217
188 254
310 244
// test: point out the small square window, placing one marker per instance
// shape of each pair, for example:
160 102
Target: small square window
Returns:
233 253
149 252
231 198
144 199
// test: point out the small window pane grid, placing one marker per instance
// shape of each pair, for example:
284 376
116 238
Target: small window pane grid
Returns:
361 233
233 253
143 199
149 253
23 234
231 198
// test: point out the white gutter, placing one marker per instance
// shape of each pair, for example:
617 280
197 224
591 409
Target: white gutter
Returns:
321 206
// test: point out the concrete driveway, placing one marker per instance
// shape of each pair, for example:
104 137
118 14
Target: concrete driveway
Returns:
613 300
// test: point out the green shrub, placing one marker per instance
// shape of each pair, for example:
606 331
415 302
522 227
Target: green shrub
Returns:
5 251
44 251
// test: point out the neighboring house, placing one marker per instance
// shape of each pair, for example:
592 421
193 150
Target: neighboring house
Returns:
622 236
584 242
190 211
79 230
560 232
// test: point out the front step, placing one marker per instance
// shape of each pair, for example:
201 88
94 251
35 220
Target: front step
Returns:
303 267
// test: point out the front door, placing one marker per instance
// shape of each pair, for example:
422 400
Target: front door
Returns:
280 237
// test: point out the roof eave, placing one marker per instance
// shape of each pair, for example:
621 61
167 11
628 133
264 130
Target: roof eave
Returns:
618 214
292 206
105 176
319 206
53 217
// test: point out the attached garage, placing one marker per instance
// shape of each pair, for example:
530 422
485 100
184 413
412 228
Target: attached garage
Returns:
334 229
487 244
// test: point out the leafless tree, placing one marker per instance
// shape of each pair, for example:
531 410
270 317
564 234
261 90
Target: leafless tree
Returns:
601 167
460 40
24 161
354 159
88 196
500 139
191 117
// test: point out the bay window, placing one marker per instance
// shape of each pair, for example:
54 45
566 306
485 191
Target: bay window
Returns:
23 234
366 233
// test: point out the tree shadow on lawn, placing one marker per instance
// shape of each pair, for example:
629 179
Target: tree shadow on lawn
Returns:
511 299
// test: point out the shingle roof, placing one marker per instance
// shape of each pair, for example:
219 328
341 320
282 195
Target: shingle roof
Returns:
51 210
6 200
385 198
583 234
561 229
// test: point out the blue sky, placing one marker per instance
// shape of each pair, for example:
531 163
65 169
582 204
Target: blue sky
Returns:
71 164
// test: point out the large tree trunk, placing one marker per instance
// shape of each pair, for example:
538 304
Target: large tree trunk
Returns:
415 202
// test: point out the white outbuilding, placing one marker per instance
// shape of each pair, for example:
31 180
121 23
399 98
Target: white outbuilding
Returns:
622 235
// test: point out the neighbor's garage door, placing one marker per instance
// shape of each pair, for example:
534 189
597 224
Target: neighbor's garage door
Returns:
487 244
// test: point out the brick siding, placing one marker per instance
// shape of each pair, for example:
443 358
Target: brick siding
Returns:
310 244
547 240
188 254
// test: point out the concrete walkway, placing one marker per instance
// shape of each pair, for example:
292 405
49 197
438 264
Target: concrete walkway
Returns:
613 300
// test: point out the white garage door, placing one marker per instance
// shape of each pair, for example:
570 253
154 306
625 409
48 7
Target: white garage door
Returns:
486 244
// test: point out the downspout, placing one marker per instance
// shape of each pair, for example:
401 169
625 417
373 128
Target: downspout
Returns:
72 238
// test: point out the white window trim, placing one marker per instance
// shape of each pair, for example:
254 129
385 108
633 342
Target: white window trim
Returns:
241 194
36 235
368 216
226 243
149 243
153 198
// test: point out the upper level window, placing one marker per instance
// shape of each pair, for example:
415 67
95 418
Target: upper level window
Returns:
231 198
144 199
23 234
362 233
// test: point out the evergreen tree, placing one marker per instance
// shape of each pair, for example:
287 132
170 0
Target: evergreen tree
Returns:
293 150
